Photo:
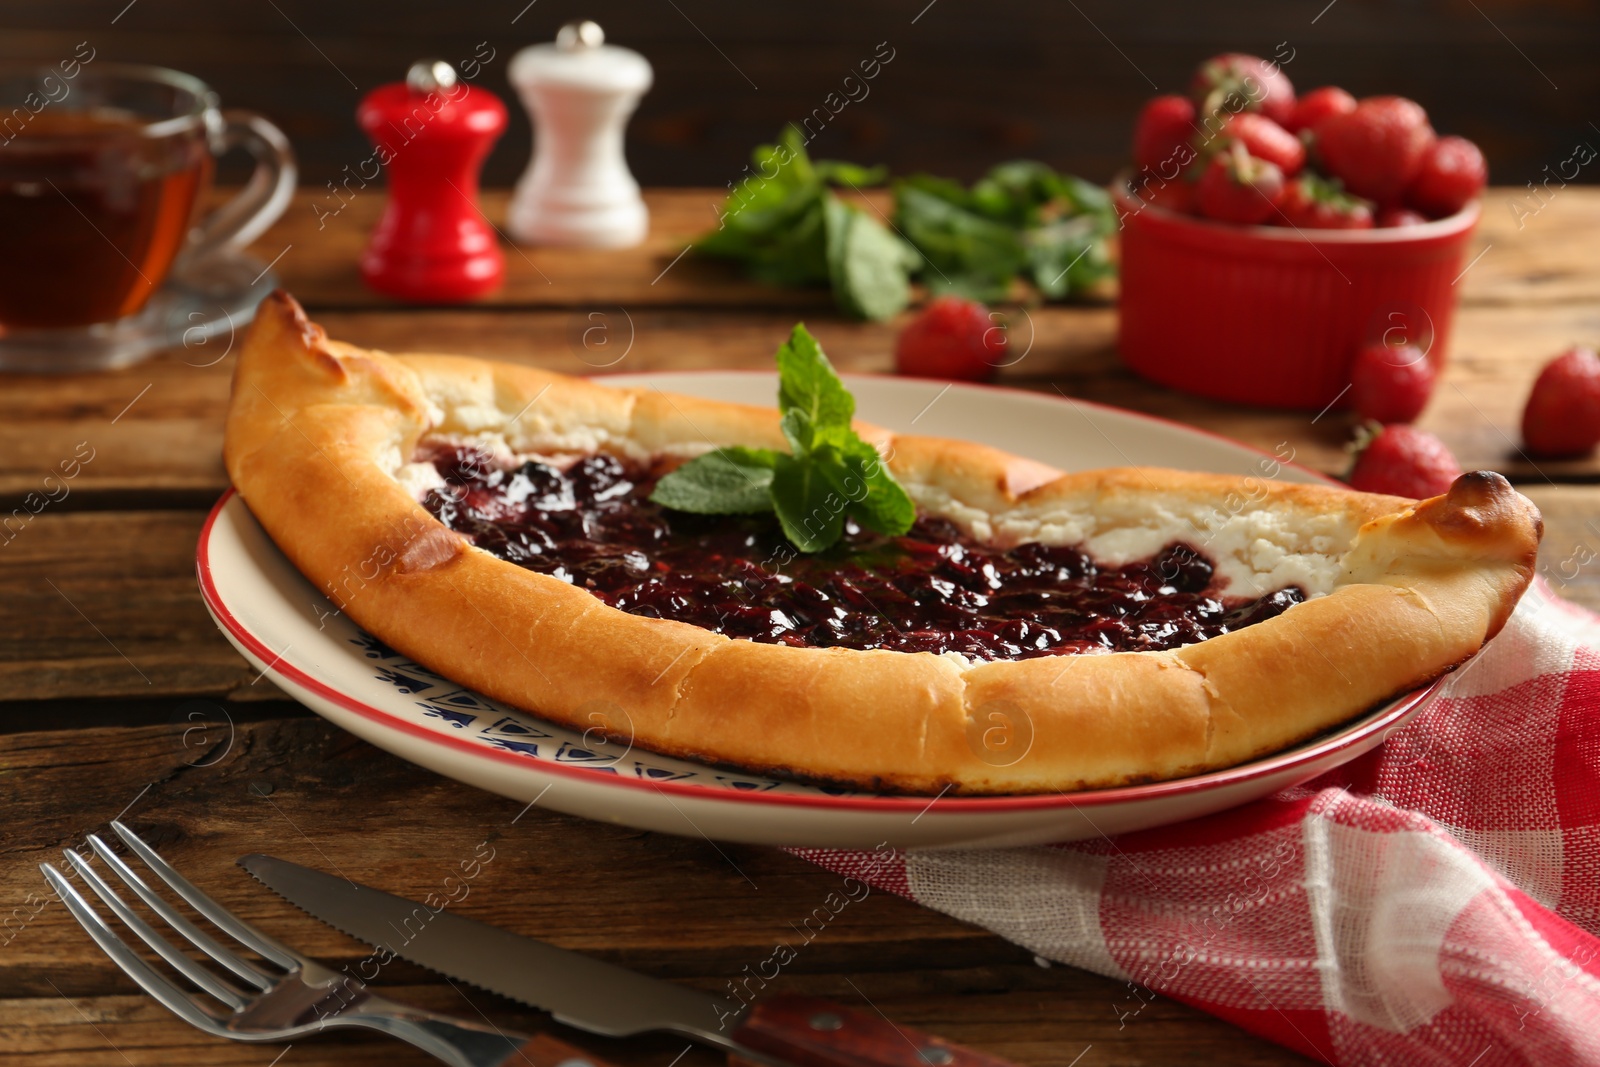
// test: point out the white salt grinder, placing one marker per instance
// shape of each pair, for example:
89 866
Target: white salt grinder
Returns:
579 92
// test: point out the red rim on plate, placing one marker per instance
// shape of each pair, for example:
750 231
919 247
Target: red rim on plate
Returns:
1344 737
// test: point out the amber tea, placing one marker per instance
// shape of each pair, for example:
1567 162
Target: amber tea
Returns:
93 210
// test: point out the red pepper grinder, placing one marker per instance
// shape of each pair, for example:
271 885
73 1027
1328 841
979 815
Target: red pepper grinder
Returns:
432 132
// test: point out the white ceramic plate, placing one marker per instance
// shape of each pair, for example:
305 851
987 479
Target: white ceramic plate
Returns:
290 631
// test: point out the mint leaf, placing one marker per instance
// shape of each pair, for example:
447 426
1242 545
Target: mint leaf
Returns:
734 480
877 501
799 431
835 172
809 509
971 255
870 268
1067 256
808 384
772 220
829 474
1022 219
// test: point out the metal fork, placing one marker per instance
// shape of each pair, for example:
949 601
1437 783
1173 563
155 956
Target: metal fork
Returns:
294 997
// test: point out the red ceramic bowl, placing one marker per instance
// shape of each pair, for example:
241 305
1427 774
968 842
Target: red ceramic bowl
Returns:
1272 315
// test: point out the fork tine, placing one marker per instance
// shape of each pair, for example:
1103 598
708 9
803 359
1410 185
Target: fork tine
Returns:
240 930
150 980
198 937
164 948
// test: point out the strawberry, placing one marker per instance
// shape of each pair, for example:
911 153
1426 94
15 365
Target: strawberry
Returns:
1390 383
1378 148
1314 203
1399 216
1264 139
1563 413
951 338
1161 135
1402 461
1317 105
1237 82
1177 197
1237 187
1452 173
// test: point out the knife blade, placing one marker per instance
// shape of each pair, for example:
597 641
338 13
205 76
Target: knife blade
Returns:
578 990
603 998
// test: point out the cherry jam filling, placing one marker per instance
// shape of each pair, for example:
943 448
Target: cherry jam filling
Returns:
932 590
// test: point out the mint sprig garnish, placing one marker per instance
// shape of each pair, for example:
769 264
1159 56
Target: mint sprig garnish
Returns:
729 481
828 473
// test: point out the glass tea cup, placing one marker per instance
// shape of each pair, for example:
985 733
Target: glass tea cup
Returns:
102 167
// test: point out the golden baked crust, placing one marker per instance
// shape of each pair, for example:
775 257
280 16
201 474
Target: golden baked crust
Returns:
319 430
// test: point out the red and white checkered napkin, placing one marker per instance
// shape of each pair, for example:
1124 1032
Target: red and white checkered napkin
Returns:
1437 901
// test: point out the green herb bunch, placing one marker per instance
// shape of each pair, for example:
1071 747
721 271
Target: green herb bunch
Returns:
787 226
828 473
1020 220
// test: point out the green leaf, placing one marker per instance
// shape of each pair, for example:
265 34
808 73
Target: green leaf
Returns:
807 384
836 172
799 430
1021 219
1089 198
957 242
772 220
877 501
981 287
870 267
786 227
809 509
831 472
733 480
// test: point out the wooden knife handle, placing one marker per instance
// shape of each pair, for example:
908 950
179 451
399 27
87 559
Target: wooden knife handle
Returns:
812 1032
542 1050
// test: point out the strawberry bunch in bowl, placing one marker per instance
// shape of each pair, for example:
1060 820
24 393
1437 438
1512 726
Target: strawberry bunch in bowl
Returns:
1243 148
1330 220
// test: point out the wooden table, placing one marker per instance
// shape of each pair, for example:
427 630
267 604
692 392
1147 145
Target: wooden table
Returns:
107 656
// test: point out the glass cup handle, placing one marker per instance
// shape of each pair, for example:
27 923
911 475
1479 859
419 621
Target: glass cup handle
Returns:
263 199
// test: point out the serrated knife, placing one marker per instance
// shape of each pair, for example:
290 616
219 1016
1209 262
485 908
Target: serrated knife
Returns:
603 998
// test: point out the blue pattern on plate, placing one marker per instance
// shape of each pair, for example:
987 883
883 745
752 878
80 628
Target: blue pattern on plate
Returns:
406 682
494 725
459 719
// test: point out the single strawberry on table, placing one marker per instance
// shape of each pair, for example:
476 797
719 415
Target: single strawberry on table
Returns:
951 338
1234 81
1402 461
1311 202
1452 174
1237 187
1391 383
1263 139
1162 133
1317 105
1377 149
1562 417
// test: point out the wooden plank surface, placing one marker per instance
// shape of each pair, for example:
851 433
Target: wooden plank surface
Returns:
156 428
1543 256
169 440
676 908
105 647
